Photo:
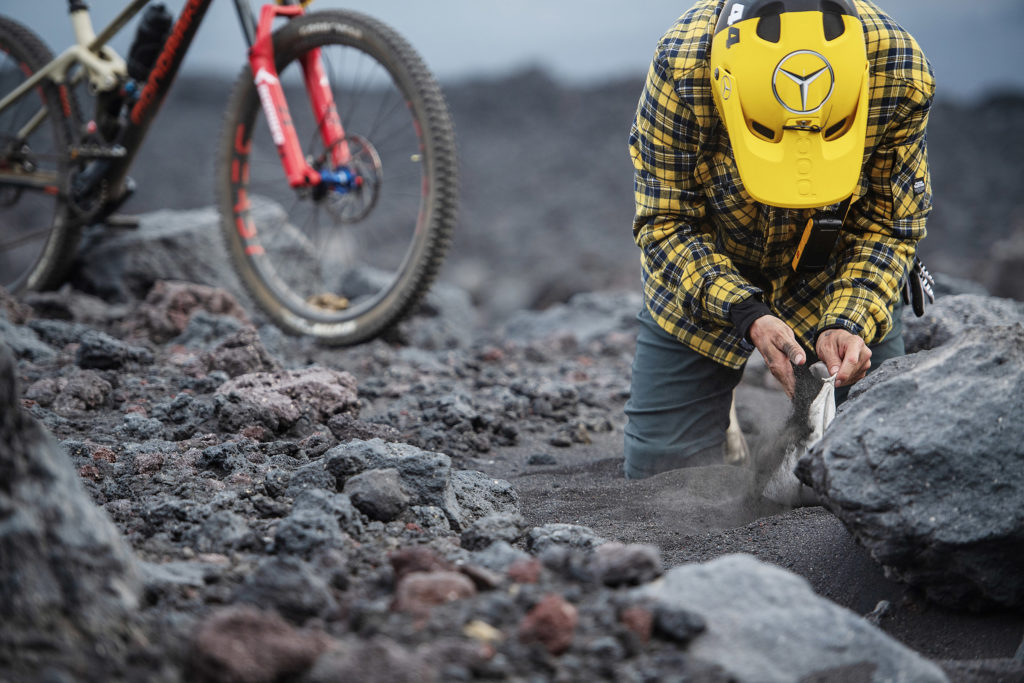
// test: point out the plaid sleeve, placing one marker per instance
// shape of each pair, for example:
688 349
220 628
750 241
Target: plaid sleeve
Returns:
685 275
884 227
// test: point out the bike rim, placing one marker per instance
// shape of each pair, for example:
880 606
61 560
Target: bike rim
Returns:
29 169
325 259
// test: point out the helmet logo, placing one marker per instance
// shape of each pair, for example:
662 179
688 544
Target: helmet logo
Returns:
803 82
726 87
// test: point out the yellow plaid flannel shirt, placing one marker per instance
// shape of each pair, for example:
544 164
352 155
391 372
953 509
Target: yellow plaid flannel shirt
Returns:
706 245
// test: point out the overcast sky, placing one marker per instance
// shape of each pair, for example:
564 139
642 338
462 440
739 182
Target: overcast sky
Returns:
976 46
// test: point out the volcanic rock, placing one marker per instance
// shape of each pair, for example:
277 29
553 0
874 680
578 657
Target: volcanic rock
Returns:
169 245
499 526
318 520
12 309
378 494
24 342
103 352
80 390
1006 277
417 559
570 536
170 305
241 353
418 592
619 564
246 644
925 466
291 586
479 495
585 318
765 624
279 400
950 316
379 660
69 580
676 624
428 479
552 623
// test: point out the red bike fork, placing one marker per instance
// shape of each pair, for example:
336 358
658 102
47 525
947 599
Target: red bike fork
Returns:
322 100
282 130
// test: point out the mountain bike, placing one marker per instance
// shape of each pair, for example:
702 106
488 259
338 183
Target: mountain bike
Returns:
336 214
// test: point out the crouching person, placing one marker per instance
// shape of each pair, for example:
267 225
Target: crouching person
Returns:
782 186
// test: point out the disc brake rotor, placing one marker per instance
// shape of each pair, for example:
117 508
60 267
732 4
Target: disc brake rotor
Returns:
355 204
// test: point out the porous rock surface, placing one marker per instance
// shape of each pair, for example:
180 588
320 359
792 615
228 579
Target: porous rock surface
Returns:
761 623
278 533
69 584
925 466
951 316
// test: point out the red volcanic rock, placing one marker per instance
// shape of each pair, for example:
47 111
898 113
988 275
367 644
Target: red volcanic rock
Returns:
552 623
418 592
248 644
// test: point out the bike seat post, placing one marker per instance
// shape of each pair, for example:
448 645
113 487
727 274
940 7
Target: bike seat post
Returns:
81 22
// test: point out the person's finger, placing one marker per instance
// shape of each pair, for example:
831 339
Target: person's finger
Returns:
862 374
828 353
782 369
778 364
865 365
784 373
794 353
851 365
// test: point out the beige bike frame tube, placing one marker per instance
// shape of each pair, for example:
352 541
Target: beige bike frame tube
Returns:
104 66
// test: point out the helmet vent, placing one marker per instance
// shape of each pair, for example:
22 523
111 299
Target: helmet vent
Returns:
762 130
834 129
769 25
832 20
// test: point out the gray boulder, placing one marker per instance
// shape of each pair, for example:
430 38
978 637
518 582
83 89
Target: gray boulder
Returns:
318 519
765 624
585 318
479 495
25 343
103 352
427 478
1006 259
279 400
378 494
925 466
169 245
69 584
951 316
498 526
290 586
569 536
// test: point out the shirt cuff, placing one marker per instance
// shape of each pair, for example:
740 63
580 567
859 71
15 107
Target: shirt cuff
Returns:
744 313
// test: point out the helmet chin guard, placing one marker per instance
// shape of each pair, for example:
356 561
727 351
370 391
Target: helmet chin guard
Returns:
790 81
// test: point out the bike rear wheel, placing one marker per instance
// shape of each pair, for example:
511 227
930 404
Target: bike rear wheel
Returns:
37 239
342 267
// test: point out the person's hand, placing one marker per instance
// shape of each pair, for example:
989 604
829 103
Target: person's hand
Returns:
779 348
845 355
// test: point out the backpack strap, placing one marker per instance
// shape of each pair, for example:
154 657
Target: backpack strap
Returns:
819 238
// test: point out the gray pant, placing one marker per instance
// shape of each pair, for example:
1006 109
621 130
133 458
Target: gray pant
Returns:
679 401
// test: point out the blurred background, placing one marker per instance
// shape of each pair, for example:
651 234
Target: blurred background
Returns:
975 45
543 94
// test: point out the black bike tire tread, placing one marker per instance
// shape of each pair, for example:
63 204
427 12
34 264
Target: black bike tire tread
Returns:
52 267
445 178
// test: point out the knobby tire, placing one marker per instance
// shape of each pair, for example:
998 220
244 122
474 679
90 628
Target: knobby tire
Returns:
282 246
40 262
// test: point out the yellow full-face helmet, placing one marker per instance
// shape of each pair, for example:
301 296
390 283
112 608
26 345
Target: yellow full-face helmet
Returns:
790 80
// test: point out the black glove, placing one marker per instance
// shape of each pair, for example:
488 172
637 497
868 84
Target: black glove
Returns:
918 285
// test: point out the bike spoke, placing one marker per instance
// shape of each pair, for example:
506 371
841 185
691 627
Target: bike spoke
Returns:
337 261
22 240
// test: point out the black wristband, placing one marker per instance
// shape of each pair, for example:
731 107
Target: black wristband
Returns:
744 313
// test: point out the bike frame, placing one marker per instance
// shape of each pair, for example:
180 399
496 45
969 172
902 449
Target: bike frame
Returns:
106 71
